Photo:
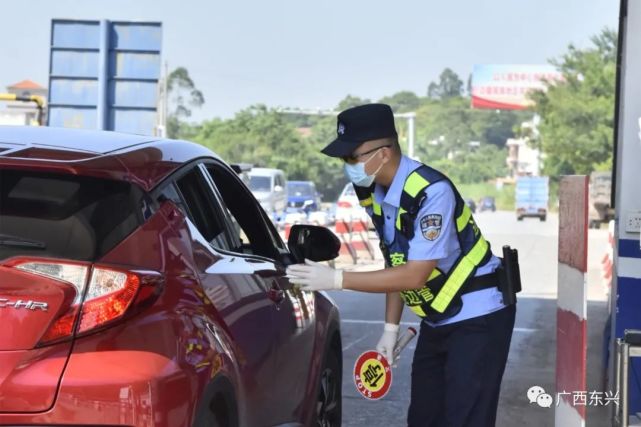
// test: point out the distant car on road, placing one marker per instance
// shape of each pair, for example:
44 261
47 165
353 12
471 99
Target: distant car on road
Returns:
268 186
303 194
141 284
487 204
471 204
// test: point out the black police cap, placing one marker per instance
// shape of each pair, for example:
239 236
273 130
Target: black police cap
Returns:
356 125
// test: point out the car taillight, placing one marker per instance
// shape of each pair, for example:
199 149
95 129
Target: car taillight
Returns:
73 273
344 204
109 293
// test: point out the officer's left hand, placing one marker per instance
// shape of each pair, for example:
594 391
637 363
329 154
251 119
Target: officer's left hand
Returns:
313 276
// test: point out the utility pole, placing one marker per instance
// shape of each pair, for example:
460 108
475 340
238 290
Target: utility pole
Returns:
410 117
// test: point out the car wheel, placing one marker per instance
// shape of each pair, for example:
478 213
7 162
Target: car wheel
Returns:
543 218
519 218
329 402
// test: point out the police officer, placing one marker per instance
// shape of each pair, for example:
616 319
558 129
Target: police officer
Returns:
441 267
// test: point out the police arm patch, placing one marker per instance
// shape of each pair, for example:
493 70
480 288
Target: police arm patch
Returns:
431 226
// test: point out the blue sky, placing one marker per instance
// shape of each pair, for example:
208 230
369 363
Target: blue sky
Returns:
311 54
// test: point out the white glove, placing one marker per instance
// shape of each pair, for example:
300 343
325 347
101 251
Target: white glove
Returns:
387 342
313 276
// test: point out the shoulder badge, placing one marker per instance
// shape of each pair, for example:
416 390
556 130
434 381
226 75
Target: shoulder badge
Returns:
431 226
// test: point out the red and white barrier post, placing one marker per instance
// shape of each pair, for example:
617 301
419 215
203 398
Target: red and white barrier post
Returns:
343 230
571 341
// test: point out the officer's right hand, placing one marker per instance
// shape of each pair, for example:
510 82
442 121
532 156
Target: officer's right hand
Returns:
387 342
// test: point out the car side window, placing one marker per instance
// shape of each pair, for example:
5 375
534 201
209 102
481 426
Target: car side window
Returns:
169 192
248 222
202 208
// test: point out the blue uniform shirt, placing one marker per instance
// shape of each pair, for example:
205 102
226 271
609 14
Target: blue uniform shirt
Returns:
444 247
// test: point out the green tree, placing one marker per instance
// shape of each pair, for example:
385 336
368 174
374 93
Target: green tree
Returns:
496 126
474 165
183 96
351 101
265 138
402 102
444 126
577 115
449 85
325 171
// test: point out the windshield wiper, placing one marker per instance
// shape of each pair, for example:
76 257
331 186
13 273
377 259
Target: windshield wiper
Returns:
6 240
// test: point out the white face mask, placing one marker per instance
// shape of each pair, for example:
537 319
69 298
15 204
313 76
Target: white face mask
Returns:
356 172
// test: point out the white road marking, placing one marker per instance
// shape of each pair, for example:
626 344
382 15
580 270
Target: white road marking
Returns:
413 324
355 342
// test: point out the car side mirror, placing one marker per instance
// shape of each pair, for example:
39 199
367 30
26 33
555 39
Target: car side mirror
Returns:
278 188
312 242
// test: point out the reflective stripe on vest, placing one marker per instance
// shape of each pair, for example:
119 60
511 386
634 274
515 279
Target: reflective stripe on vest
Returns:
366 202
376 208
464 218
401 211
464 268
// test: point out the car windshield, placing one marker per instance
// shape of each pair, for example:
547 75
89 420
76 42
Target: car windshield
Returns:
260 183
300 189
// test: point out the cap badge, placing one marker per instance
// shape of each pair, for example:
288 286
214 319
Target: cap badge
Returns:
341 129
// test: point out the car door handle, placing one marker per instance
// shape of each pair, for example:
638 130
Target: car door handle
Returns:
276 294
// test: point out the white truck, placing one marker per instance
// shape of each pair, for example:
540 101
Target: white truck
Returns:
532 194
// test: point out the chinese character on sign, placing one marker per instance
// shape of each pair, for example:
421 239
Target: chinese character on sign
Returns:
596 398
592 398
559 395
371 375
611 397
580 398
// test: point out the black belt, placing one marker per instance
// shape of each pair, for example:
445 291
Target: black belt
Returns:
478 283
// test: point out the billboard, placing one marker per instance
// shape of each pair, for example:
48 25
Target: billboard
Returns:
104 75
505 87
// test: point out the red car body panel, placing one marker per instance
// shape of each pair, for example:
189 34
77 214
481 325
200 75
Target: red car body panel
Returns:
217 316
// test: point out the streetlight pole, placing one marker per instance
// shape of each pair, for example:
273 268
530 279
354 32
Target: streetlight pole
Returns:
410 117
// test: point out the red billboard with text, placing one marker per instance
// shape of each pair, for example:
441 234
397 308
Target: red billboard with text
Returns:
506 87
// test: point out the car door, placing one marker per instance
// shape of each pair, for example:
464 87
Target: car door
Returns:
257 241
241 297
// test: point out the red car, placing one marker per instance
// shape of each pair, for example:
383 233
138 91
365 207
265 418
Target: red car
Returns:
142 285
